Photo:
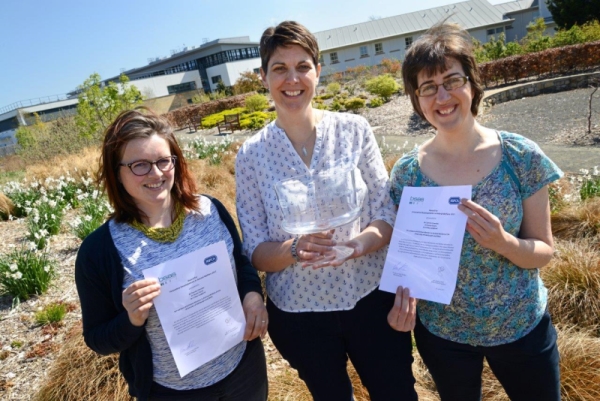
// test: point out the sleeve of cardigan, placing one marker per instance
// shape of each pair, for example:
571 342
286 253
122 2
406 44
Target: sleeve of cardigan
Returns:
106 328
248 280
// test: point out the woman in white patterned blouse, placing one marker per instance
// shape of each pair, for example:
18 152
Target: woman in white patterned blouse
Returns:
323 314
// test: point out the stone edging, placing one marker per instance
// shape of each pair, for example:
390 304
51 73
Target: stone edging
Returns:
537 88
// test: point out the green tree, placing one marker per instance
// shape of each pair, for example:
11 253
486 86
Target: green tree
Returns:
225 90
535 40
567 13
99 105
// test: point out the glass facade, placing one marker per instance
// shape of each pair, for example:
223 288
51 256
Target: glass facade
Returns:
184 87
229 55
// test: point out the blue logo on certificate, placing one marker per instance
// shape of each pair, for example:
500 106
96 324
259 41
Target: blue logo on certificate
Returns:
455 200
210 260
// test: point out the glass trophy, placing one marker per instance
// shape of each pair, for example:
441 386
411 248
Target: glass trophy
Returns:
314 203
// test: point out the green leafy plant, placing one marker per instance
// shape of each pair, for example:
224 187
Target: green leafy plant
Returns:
590 188
44 220
376 102
324 96
336 105
383 86
354 104
333 88
52 313
95 210
16 344
256 103
25 272
212 120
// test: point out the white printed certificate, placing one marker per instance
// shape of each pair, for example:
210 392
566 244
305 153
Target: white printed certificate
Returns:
424 252
199 307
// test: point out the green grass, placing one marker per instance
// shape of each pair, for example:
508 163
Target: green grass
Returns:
52 313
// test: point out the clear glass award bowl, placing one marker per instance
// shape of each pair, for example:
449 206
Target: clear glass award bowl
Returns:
319 202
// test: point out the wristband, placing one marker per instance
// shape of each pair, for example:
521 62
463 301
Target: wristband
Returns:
294 250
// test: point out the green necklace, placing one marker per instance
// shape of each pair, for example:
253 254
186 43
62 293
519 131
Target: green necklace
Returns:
163 234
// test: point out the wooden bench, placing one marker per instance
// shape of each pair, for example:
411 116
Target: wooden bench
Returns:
230 123
195 122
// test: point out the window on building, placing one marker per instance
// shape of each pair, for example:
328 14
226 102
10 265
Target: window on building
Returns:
216 79
363 51
378 48
490 31
256 70
499 30
184 87
333 57
407 42
321 59
508 27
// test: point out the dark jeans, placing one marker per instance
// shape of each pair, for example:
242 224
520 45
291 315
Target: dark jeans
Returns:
318 344
527 368
247 382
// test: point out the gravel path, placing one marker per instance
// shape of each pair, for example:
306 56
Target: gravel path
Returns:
557 122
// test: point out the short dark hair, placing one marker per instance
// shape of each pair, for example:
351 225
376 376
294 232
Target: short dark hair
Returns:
286 34
130 125
431 53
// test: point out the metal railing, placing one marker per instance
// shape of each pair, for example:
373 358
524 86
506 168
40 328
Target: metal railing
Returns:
33 102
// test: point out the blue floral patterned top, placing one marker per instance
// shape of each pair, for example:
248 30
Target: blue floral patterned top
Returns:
495 301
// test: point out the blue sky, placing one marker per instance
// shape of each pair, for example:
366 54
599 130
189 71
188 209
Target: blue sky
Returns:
49 47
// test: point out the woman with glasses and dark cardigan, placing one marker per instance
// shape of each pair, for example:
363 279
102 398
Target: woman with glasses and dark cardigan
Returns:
498 310
157 217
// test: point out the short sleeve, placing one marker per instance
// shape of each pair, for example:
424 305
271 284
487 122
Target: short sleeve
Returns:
532 167
403 174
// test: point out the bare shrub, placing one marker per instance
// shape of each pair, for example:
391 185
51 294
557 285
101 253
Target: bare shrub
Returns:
77 165
578 220
78 373
573 282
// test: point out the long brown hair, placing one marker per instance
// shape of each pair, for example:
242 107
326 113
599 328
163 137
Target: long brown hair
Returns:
130 125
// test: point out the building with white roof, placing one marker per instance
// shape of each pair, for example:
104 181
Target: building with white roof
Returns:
368 43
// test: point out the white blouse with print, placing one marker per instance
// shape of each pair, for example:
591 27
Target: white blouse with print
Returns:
269 157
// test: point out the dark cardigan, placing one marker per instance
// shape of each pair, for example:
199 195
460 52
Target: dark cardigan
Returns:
106 326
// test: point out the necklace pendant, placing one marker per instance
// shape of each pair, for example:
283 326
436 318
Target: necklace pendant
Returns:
304 152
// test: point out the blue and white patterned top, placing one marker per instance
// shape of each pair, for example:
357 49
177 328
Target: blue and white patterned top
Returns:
269 157
495 301
138 252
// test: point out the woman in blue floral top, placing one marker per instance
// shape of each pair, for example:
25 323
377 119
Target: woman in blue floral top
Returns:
498 311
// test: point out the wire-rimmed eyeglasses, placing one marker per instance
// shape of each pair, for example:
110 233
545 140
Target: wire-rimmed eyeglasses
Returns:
143 167
430 89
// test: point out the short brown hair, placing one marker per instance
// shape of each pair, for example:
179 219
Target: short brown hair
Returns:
130 125
286 34
431 53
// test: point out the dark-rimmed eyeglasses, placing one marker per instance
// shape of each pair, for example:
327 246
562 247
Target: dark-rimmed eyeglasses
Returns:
430 89
143 167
